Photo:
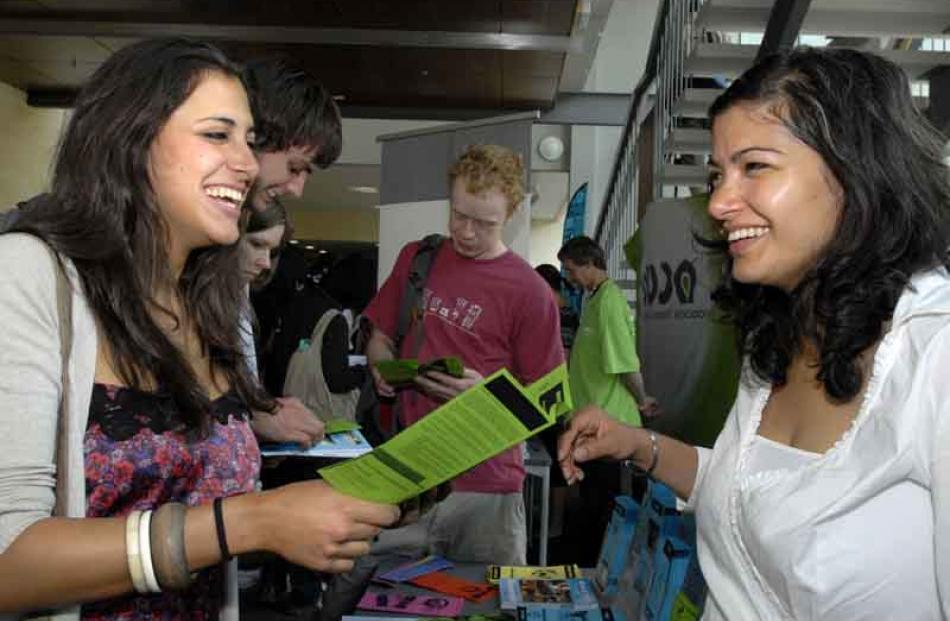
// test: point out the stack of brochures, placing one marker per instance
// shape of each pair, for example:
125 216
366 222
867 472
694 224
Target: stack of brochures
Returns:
572 594
494 573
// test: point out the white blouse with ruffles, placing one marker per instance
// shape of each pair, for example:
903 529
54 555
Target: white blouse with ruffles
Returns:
860 532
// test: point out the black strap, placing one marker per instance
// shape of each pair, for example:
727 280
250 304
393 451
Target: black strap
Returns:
410 310
410 306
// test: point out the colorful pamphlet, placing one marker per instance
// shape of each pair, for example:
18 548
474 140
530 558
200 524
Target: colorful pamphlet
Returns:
411 603
535 613
472 617
405 573
442 582
495 573
572 594
341 444
483 421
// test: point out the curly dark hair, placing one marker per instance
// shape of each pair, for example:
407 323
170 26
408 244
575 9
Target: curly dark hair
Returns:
855 110
102 213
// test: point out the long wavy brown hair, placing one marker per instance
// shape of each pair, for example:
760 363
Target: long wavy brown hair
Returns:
101 212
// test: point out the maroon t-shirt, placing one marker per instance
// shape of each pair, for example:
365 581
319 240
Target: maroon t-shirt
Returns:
493 314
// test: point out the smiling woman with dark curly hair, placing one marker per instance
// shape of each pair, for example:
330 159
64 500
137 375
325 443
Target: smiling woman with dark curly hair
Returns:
827 495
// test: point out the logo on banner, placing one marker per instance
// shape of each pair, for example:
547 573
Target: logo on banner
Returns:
660 289
665 289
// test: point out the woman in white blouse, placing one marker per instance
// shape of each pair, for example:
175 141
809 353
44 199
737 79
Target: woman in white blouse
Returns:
827 494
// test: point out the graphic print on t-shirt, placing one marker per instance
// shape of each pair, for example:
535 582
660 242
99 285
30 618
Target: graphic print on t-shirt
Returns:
462 314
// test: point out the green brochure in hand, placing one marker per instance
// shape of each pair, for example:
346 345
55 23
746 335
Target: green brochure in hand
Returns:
476 425
402 372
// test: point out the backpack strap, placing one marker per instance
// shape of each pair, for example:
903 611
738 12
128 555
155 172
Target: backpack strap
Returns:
410 306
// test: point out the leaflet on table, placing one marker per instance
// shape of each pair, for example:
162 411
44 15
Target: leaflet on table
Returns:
573 594
493 616
411 603
534 613
476 425
444 582
494 573
342 444
417 568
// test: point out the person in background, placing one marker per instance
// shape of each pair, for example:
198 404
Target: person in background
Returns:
128 466
485 305
267 232
604 370
827 494
569 320
298 129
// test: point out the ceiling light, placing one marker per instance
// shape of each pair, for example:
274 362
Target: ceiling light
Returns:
364 189
322 251
293 241
309 247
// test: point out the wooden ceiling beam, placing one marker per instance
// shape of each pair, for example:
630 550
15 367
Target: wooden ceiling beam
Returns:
292 34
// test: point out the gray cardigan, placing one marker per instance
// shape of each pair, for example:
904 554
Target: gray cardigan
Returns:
43 450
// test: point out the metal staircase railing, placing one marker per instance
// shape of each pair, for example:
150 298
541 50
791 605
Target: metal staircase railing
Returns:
698 43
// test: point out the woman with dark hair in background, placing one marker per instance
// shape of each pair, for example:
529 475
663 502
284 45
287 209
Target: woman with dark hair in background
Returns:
123 393
268 229
827 494
569 319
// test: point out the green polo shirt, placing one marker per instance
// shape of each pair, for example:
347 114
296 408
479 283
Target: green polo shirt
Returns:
605 346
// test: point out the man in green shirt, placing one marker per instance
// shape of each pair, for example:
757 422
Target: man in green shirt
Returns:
604 370
604 367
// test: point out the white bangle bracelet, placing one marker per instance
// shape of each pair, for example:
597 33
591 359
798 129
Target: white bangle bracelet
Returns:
145 551
136 572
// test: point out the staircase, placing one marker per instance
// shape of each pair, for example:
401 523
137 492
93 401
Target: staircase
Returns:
700 45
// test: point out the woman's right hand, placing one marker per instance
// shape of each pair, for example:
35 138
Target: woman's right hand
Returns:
313 525
592 434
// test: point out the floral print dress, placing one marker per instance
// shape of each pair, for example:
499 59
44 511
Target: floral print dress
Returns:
138 456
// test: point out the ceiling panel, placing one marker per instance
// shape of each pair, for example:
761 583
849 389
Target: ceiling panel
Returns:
55 49
416 64
517 16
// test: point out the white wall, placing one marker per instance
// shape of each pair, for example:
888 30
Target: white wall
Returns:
359 137
617 68
30 139
546 238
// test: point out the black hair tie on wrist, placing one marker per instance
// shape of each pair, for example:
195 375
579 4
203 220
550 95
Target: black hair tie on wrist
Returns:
219 526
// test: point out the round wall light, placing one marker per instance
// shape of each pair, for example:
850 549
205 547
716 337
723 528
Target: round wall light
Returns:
551 148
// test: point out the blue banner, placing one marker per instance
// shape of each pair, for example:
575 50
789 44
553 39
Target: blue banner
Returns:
574 222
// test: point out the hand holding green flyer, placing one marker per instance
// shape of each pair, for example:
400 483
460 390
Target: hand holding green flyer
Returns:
476 425
402 372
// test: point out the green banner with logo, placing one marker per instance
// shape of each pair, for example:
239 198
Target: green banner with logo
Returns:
687 352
